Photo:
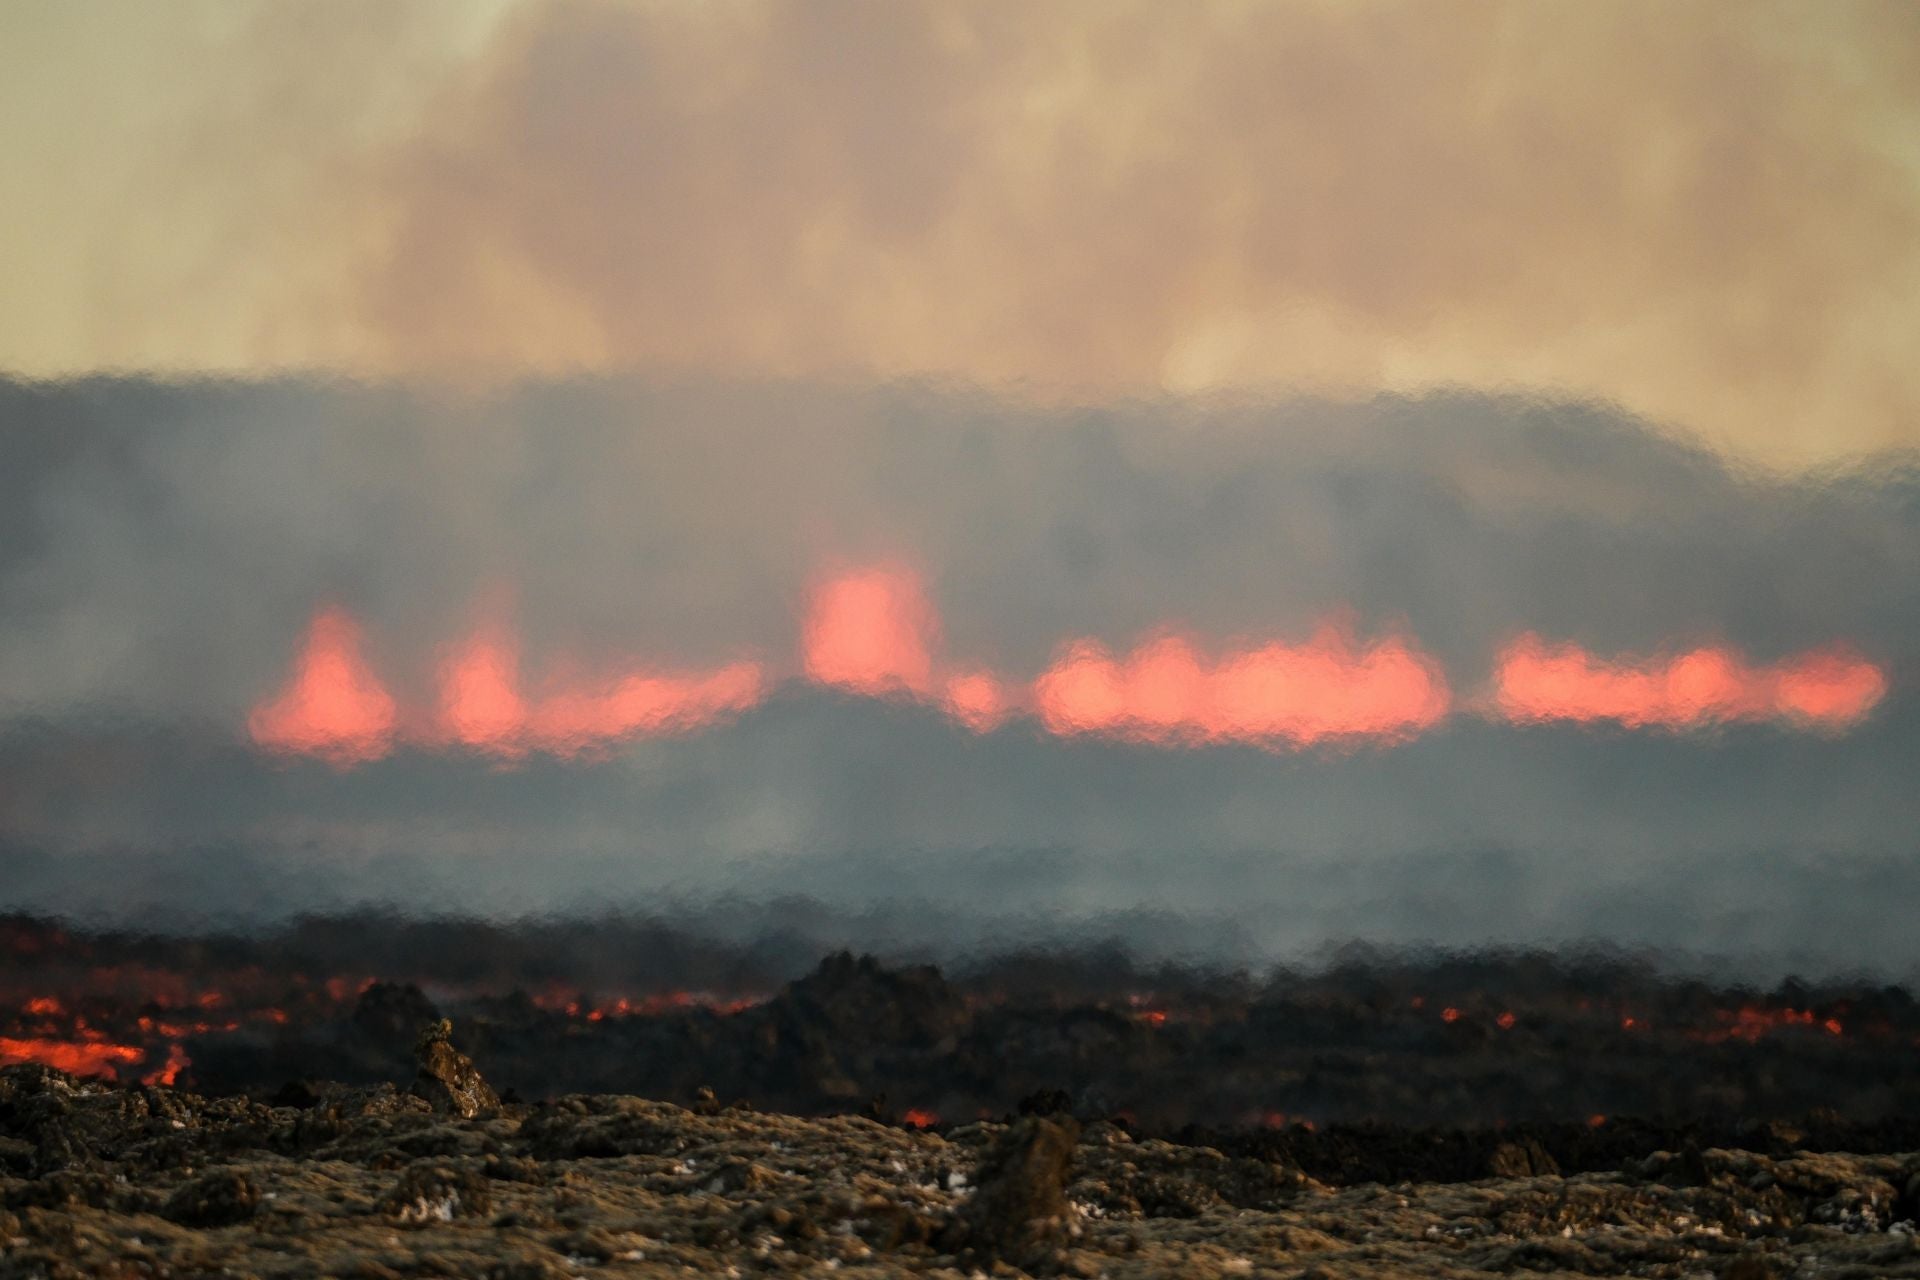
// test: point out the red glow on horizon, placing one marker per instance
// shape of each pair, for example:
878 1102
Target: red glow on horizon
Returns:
871 632
333 706
1295 695
1535 681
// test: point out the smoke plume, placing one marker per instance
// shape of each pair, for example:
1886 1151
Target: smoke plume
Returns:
954 667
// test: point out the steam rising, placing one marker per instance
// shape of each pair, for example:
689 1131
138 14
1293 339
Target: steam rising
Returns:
1230 477
609 642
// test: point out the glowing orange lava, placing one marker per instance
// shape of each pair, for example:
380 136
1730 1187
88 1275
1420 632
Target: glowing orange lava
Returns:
644 704
81 1058
871 632
1537 681
333 707
480 702
169 1072
1831 688
874 631
482 708
1750 1022
977 699
1276 694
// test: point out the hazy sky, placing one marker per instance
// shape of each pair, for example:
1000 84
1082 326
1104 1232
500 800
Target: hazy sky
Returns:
1707 213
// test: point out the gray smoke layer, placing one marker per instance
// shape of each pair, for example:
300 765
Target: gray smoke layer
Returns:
162 546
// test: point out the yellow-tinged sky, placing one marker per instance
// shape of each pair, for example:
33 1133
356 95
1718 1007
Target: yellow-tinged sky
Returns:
1709 213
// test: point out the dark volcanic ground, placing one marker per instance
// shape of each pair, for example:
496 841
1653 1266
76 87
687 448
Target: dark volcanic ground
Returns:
146 1181
270 1106
1584 1047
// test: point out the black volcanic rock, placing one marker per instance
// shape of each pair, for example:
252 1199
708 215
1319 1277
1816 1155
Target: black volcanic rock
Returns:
448 1079
1019 1211
392 1013
1523 1159
371 1182
217 1199
863 1000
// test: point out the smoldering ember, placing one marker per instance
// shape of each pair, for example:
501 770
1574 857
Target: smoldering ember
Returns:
377 1095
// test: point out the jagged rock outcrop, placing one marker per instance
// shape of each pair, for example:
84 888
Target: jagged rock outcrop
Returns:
448 1079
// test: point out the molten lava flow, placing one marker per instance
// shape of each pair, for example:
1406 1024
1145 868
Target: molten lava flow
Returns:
1274 695
1832 688
333 707
874 632
1750 1022
920 1118
483 709
977 699
643 704
336 709
1535 681
480 702
81 1058
166 1074
871 632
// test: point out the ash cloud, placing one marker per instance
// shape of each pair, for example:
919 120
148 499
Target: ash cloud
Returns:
164 545
1707 213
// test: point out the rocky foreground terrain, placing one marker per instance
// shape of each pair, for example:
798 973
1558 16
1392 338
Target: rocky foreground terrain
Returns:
443 1179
